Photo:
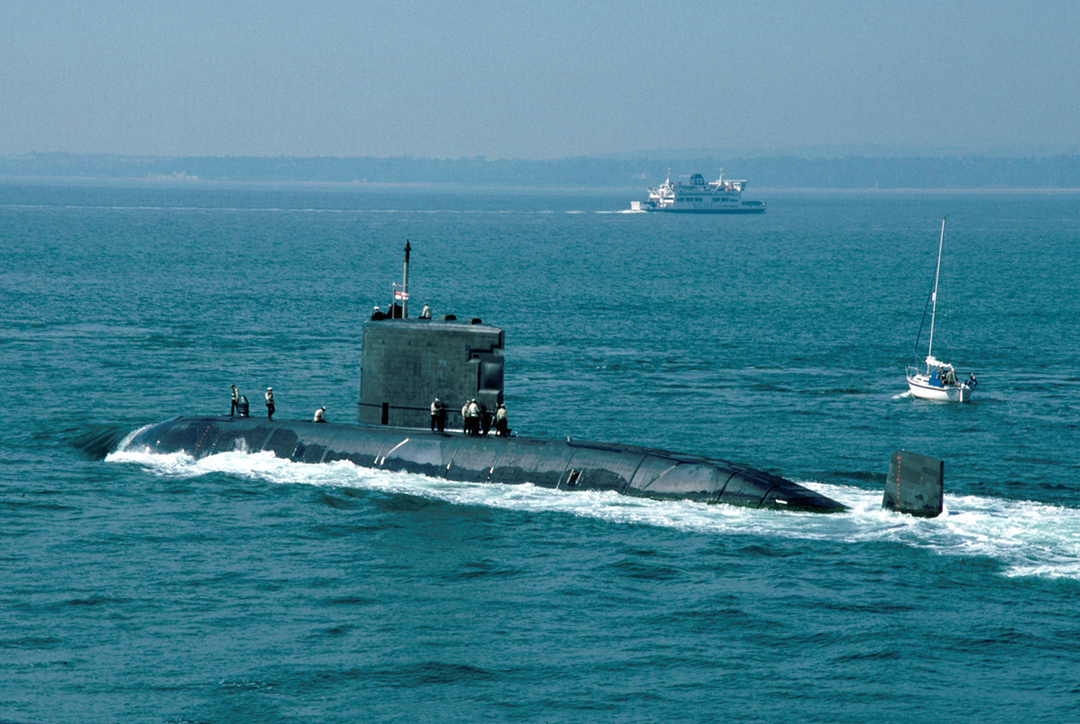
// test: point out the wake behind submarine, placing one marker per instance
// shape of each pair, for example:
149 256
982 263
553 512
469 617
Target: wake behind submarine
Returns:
405 364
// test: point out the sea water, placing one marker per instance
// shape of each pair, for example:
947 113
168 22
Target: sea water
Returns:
242 587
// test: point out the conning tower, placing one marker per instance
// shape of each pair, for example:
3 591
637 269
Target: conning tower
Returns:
406 363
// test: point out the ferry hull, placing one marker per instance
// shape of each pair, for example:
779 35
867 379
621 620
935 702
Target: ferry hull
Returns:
560 464
745 210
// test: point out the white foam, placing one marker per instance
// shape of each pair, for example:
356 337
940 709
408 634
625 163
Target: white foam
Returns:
1027 538
127 440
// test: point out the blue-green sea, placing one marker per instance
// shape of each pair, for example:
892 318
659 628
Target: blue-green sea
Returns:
244 588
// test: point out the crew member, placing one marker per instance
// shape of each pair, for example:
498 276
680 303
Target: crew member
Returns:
436 407
320 415
972 381
426 314
474 417
235 400
270 402
501 426
950 377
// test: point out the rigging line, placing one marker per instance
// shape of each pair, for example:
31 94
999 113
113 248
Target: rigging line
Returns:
915 351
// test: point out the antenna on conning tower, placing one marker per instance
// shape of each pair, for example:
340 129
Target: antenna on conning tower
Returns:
405 284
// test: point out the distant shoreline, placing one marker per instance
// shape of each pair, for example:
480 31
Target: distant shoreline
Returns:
631 192
762 174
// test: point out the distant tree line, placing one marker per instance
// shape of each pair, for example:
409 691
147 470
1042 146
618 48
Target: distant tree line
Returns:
855 172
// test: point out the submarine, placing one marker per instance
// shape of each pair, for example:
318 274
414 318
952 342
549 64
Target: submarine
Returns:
406 363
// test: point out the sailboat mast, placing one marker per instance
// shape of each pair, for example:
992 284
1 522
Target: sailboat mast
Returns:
933 309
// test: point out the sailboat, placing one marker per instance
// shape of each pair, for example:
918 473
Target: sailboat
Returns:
938 380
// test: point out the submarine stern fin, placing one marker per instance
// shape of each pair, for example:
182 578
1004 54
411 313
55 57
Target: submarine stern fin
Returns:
916 485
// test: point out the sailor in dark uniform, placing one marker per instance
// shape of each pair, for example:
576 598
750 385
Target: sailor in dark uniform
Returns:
235 400
270 402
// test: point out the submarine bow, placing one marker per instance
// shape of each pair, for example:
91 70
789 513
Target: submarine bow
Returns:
559 464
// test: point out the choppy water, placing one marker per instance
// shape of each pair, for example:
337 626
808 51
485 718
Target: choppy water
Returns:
247 588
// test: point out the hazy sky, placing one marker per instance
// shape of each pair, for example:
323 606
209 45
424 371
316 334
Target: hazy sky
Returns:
534 80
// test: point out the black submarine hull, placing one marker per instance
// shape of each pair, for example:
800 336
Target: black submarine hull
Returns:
559 464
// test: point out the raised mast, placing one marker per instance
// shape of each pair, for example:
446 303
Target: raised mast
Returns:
405 283
933 297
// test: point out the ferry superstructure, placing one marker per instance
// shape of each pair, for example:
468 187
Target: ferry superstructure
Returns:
722 196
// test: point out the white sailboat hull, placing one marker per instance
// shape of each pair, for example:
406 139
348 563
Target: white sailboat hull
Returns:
920 387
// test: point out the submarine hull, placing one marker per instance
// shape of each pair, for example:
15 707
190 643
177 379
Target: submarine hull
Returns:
560 464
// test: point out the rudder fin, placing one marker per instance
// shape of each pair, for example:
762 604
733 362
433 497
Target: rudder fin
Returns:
916 484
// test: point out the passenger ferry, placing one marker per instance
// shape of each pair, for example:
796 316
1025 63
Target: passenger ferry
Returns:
722 196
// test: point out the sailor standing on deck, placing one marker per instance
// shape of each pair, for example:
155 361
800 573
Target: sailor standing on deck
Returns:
438 415
235 400
501 427
426 314
270 402
474 417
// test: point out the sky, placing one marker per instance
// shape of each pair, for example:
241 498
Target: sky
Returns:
536 80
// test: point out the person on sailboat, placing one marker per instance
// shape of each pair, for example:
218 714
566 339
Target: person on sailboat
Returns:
950 377
972 381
